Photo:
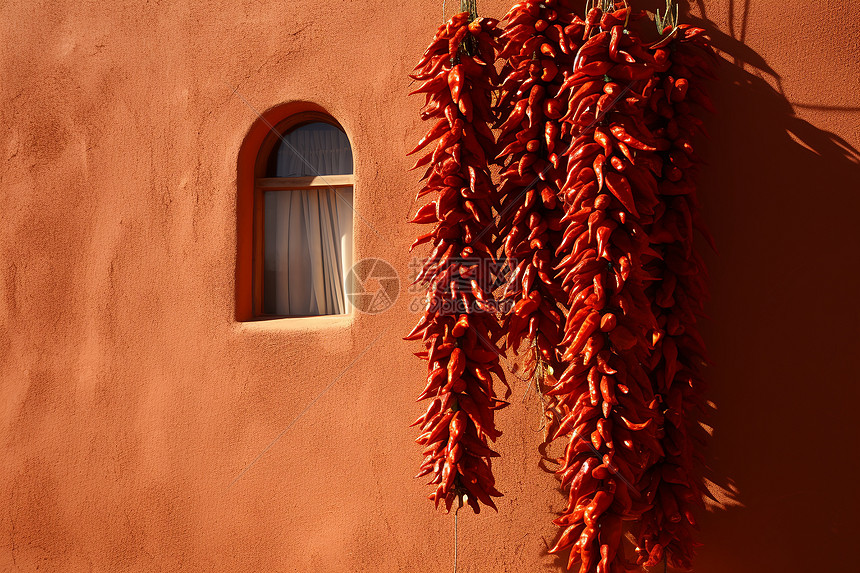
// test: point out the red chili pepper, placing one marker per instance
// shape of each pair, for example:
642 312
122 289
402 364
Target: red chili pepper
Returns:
598 170
619 186
621 134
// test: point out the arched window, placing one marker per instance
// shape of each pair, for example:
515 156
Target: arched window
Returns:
302 218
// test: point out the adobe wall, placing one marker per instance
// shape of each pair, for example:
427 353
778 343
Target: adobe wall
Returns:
142 428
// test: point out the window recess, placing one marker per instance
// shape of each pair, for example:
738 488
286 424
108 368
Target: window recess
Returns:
303 219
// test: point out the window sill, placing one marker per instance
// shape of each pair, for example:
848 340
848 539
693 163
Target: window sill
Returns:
296 323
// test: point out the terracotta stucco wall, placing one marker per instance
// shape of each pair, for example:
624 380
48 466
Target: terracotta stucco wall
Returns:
131 400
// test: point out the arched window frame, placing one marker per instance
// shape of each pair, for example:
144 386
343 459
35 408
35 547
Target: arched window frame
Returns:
252 182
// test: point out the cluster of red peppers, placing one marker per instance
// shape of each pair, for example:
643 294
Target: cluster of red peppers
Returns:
672 487
536 49
593 213
458 327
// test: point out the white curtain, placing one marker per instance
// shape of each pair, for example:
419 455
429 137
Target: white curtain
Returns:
310 150
308 233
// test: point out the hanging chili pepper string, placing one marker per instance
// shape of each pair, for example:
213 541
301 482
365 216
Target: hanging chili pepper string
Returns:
537 50
667 530
458 326
611 416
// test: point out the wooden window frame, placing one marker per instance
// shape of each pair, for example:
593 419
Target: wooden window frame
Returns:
264 136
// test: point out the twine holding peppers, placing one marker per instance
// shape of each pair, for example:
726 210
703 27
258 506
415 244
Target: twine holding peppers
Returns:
593 212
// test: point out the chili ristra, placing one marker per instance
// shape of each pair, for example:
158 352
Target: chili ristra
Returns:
611 412
459 328
673 487
538 43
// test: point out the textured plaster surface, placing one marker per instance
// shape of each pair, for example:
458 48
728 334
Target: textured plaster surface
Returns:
131 399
